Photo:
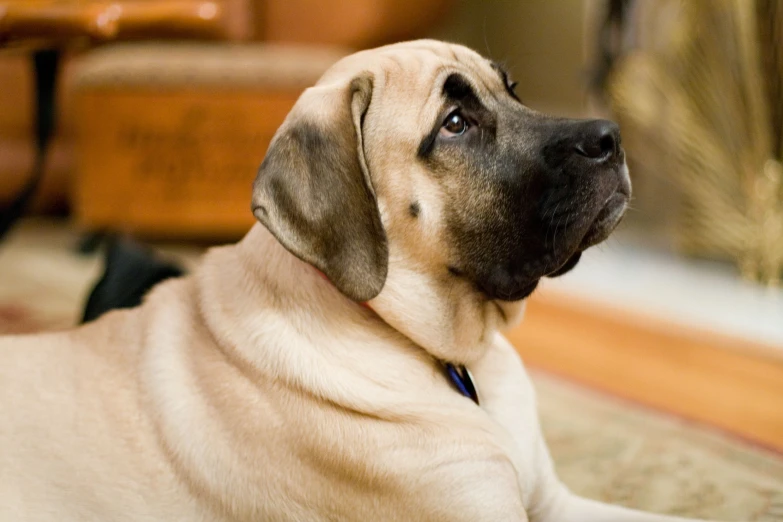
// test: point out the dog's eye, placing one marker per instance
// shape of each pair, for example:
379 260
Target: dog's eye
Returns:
454 125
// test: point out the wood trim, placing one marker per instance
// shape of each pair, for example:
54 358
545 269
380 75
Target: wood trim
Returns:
728 383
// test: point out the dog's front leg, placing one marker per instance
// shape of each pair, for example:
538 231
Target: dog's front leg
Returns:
571 508
508 397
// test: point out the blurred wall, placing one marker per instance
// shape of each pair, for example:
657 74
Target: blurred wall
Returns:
540 41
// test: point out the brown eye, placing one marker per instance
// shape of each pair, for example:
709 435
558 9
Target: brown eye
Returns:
455 124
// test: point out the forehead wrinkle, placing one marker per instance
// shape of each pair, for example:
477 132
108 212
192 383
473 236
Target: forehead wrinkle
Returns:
396 60
441 51
473 65
439 75
445 69
398 70
418 74
487 88
472 68
426 75
446 56
494 92
431 66
476 81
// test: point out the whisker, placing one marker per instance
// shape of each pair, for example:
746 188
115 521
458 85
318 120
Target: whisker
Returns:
554 240
549 226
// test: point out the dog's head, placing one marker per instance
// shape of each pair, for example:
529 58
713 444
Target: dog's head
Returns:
413 176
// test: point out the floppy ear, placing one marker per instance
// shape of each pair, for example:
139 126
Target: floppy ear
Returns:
313 190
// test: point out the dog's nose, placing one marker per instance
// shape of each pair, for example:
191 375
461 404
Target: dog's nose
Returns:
599 141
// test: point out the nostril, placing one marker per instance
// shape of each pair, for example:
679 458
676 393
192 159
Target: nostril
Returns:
607 145
600 141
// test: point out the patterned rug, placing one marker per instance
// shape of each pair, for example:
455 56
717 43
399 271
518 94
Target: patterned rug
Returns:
604 448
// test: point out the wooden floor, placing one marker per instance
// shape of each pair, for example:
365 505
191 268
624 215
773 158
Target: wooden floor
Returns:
727 383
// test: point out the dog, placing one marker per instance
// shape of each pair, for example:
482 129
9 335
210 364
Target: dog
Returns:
344 360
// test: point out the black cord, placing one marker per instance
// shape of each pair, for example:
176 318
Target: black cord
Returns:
46 65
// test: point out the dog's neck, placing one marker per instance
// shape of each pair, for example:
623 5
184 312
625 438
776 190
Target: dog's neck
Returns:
451 323
450 319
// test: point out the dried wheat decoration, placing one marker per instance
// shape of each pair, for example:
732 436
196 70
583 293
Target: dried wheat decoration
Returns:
704 106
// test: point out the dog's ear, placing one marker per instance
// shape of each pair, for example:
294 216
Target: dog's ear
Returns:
313 190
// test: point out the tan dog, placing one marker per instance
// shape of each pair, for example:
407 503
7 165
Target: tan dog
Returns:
255 389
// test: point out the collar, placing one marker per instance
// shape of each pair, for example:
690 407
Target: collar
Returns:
461 378
459 375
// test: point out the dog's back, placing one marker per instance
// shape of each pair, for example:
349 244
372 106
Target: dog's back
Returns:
75 441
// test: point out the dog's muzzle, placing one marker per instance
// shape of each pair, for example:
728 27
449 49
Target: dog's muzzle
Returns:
600 145
586 192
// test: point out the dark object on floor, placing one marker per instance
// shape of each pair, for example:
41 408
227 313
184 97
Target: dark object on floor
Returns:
131 270
90 243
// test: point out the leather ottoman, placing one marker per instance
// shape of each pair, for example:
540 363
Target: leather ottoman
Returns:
169 136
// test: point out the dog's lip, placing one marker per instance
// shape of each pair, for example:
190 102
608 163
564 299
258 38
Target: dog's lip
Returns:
569 263
606 221
510 296
610 215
